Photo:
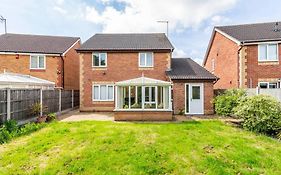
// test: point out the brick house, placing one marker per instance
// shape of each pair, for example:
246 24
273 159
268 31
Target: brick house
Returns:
135 76
51 58
245 56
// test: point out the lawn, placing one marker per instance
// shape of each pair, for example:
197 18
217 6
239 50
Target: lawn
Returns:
205 147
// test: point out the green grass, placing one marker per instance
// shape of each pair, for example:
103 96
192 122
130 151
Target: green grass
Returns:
207 147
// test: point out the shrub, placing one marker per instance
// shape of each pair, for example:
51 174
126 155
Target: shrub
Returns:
29 128
11 126
5 136
51 117
260 114
227 101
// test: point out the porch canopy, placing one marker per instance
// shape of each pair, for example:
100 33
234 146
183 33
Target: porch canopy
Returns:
143 94
13 80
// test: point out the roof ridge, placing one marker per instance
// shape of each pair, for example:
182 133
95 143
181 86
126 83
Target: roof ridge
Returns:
246 24
39 35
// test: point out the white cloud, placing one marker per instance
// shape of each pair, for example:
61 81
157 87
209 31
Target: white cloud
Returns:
141 15
60 10
179 53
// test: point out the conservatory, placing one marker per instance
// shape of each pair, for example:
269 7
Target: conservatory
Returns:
143 94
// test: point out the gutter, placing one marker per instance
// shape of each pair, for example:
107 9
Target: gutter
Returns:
239 72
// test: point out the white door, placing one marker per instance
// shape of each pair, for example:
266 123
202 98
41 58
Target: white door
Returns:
194 101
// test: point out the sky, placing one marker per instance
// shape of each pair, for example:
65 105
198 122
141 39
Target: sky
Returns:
190 21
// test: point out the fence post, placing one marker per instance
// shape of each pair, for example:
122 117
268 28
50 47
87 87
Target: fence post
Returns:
41 102
257 90
8 103
72 98
59 100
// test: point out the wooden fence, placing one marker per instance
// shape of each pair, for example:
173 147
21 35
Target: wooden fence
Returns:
16 103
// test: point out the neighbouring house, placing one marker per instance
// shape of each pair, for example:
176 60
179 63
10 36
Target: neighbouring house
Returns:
52 58
135 76
245 56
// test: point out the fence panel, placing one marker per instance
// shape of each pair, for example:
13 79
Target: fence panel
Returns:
21 103
76 98
50 101
3 106
22 100
66 99
276 93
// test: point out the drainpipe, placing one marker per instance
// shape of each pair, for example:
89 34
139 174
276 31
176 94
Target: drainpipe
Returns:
62 70
239 72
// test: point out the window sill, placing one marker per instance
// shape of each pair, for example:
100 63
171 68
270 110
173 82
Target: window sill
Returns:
37 70
99 68
146 68
268 62
103 102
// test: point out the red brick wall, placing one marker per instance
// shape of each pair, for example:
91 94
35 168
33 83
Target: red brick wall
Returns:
120 66
225 53
71 68
179 96
260 70
142 116
21 64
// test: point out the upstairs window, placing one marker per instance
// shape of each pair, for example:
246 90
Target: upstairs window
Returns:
37 62
99 60
146 59
268 52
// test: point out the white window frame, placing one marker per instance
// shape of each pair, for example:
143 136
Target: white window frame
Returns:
150 94
145 60
267 58
267 84
37 68
99 86
99 53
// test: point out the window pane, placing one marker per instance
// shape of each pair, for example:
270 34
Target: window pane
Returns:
272 85
152 94
96 93
263 85
272 52
103 95
146 94
41 62
195 92
125 97
110 92
142 59
160 98
33 62
262 52
149 59
96 59
102 59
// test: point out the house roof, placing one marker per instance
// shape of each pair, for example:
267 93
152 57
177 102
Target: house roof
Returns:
187 69
257 32
13 78
128 41
143 81
22 43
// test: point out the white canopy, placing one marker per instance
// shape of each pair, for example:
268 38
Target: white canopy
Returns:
13 80
144 81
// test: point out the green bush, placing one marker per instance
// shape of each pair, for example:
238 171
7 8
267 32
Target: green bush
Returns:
261 114
51 117
10 129
227 101
11 126
5 136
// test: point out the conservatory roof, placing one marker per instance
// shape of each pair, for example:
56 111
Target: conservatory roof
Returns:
143 81
13 78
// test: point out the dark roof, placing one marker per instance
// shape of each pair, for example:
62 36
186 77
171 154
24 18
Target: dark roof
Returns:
129 41
23 43
253 32
187 69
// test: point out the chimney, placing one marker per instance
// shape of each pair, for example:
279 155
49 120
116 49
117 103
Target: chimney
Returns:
276 28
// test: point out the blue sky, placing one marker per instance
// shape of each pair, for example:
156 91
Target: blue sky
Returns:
190 21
